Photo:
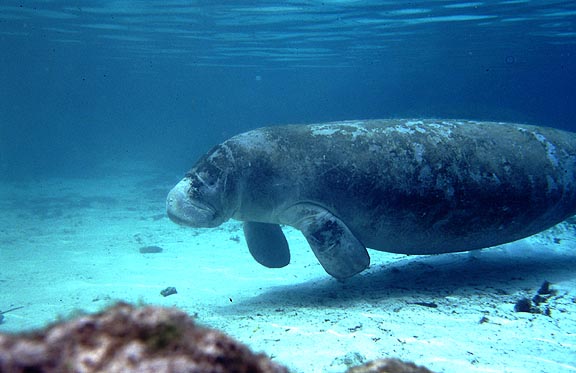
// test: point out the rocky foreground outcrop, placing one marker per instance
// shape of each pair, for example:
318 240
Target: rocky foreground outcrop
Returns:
125 338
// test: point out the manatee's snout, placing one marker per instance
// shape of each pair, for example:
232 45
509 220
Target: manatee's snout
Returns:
182 209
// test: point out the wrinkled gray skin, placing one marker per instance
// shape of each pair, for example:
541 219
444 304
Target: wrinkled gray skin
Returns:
402 186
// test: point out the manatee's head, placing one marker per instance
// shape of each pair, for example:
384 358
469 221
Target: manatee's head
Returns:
204 197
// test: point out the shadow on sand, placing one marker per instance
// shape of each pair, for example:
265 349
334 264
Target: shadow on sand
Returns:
463 275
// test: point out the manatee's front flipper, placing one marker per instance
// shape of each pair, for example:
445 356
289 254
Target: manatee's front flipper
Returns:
340 253
267 244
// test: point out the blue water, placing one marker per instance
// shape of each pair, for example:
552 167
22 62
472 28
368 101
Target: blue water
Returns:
105 104
85 82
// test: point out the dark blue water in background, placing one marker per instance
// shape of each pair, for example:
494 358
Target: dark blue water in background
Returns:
86 82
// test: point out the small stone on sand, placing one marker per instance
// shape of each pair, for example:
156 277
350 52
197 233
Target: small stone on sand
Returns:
168 291
150 249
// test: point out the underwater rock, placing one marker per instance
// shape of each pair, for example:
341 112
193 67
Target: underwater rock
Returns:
545 289
544 293
168 291
125 338
388 366
150 250
524 305
129 339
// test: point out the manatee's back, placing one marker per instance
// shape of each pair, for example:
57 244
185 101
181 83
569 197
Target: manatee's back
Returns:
424 186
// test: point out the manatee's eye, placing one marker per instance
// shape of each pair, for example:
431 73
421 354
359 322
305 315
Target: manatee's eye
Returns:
207 179
202 184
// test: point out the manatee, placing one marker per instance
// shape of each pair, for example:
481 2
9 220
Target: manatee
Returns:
401 186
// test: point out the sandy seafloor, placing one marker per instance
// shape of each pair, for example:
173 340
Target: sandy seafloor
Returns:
73 244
